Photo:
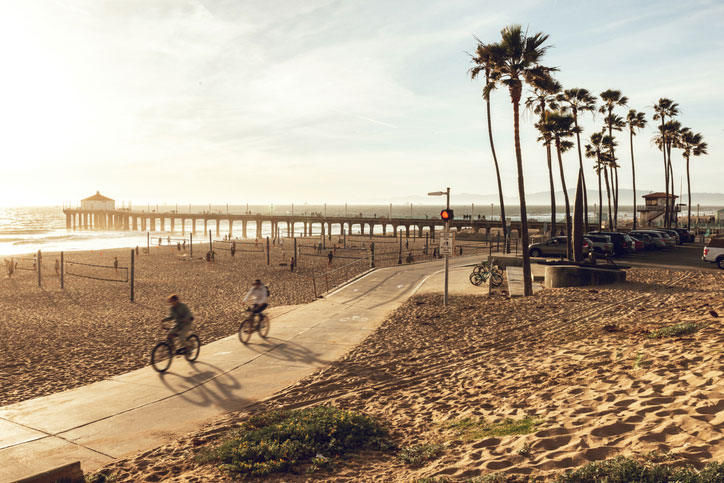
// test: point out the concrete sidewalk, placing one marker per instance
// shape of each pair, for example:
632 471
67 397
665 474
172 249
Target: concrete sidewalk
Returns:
141 410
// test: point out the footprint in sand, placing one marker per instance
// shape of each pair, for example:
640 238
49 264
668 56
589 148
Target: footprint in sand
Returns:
612 430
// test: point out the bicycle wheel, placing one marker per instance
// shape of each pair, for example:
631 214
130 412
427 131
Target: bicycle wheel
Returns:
496 279
476 279
193 348
161 356
245 330
477 269
264 327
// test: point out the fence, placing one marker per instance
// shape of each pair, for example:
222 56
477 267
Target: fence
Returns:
96 272
329 279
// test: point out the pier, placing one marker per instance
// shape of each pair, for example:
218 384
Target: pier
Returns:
142 221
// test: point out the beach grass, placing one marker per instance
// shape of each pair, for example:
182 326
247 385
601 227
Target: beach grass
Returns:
474 428
284 441
675 330
623 469
420 454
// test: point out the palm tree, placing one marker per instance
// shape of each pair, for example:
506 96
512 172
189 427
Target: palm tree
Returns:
546 90
613 122
611 99
560 126
515 59
579 100
609 143
483 64
672 131
594 149
662 109
634 120
691 145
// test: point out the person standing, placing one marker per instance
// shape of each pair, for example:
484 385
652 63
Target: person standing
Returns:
57 267
330 256
115 263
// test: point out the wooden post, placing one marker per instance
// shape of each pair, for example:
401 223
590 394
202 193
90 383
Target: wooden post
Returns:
211 244
427 243
148 242
62 271
490 278
372 255
296 256
399 255
133 274
191 245
267 250
40 264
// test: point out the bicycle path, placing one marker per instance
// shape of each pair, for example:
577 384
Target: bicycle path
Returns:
141 410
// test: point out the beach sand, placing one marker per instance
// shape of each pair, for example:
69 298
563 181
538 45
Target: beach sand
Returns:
52 339
578 361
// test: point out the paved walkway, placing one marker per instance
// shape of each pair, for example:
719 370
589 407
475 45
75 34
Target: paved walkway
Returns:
141 410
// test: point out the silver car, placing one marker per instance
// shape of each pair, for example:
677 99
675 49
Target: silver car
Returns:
556 247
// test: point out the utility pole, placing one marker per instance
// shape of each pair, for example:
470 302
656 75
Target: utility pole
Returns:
447 230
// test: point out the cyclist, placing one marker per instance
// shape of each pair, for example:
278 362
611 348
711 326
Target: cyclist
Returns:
182 315
260 294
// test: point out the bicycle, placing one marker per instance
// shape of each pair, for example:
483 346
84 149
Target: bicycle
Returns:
253 323
163 353
481 273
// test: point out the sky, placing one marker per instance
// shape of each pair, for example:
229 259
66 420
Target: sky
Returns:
323 100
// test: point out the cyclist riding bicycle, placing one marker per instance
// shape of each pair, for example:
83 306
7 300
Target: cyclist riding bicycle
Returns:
259 293
182 315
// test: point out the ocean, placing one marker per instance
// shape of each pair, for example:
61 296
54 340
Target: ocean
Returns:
24 230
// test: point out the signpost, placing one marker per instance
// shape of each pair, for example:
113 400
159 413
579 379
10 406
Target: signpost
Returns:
446 243
446 214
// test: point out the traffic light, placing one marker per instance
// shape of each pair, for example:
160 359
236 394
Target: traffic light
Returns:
446 215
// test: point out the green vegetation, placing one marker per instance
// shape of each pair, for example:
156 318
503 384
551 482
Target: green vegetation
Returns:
471 428
420 454
677 330
281 441
641 362
622 469
99 478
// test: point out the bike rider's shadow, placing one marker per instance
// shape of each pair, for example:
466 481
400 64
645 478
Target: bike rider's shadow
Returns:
287 351
209 386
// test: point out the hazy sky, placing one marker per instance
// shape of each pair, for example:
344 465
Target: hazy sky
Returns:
321 100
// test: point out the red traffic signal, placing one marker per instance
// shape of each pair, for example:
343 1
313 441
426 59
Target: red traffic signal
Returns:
446 215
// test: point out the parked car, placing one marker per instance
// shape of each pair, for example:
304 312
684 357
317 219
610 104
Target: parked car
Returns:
668 239
656 236
645 239
638 244
556 247
714 251
622 243
602 244
672 233
685 235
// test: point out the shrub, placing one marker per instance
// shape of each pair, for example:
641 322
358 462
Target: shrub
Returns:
623 469
280 441
683 328
420 454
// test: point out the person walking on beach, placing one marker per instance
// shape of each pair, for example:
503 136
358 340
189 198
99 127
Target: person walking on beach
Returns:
115 263
183 245
259 293
291 264
57 267
330 256
233 248
182 315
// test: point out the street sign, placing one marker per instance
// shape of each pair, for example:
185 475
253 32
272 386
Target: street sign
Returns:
446 243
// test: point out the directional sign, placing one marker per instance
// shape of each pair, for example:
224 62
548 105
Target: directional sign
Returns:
446 243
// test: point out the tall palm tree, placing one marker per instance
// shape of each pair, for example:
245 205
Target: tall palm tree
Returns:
579 100
611 99
545 90
609 143
635 120
662 109
691 144
594 149
613 122
483 64
516 59
672 130
559 127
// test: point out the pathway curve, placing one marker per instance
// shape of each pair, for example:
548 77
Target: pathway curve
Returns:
141 410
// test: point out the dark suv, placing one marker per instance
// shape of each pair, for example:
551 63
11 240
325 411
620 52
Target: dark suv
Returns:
685 236
622 243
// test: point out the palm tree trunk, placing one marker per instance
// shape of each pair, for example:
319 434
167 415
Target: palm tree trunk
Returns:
615 201
673 216
688 189
568 205
553 190
578 221
613 160
633 173
666 173
600 196
515 90
583 176
608 193
497 171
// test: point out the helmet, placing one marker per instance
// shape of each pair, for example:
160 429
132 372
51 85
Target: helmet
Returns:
257 282
172 298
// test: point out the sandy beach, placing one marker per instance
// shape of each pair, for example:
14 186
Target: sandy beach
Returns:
53 339
581 363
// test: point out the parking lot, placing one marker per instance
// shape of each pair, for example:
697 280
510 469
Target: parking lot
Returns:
682 257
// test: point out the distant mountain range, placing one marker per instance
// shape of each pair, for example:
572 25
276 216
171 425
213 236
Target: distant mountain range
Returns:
544 198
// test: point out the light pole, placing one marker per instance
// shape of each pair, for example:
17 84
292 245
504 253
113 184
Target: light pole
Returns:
447 231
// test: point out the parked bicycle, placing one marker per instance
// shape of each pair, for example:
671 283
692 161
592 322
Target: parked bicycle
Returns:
484 271
164 352
253 322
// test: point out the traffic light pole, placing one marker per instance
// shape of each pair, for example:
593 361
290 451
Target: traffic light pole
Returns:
447 230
